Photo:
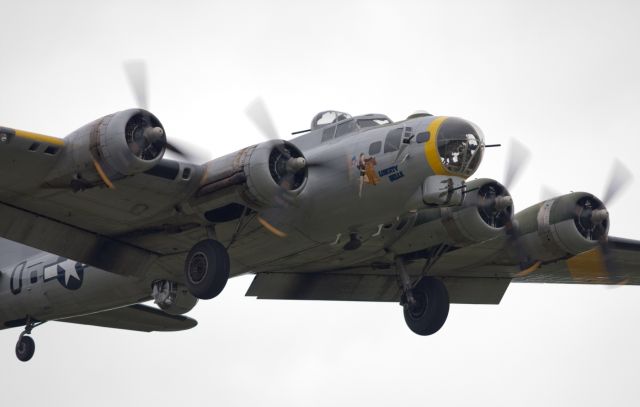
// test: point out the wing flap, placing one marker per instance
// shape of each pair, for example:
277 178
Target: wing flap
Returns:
136 318
367 287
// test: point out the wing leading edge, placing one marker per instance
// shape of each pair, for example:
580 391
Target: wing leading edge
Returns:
622 263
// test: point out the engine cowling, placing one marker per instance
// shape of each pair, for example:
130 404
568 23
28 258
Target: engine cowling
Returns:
173 298
562 226
262 174
275 168
118 145
486 208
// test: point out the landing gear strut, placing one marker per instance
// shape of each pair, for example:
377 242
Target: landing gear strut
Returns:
425 303
26 347
207 269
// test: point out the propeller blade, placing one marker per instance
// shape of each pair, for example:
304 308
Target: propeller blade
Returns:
547 192
259 115
136 71
187 153
619 179
519 155
526 264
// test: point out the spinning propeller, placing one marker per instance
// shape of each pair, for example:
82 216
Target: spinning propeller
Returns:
495 206
519 157
290 163
286 164
595 220
149 136
592 220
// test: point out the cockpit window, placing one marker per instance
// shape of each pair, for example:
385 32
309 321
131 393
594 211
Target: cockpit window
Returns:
328 117
393 140
460 145
364 123
327 133
346 128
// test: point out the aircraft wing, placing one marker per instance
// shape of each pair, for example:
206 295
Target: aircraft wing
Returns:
473 275
91 224
136 318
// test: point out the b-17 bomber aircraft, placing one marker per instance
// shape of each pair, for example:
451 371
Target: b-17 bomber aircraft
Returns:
358 208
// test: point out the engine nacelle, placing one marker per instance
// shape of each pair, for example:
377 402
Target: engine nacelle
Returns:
562 226
486 208
112 147
173 298
273 169
262 174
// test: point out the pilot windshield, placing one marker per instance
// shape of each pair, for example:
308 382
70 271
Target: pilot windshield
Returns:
460 145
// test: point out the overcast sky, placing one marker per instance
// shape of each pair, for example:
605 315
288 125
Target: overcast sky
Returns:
562 77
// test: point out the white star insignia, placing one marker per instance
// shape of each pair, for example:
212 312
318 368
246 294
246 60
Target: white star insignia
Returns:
69 268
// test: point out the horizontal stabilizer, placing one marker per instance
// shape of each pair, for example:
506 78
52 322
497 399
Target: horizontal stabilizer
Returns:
136 318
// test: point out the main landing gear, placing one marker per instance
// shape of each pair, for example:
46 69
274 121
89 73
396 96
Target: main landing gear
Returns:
425 303
207 269
26 347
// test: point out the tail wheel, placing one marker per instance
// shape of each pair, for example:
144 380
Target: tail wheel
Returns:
207 269
25 348
431 308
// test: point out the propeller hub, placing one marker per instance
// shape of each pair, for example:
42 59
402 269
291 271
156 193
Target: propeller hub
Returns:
153 134
296 164
503 202
145 137
288 166
494 204
599 215
591 218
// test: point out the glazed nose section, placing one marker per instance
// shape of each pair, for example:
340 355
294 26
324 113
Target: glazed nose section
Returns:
457 147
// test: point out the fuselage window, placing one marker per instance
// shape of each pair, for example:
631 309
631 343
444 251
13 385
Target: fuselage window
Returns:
34 276
393 140
423 137
375 148
16 278
327 133
346 128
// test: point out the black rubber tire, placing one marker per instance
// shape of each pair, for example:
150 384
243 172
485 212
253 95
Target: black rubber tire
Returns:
432 307
207 269
25 348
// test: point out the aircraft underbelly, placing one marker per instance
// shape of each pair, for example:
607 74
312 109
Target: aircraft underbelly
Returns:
302 254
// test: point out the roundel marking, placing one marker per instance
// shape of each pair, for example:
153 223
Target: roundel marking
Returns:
70 274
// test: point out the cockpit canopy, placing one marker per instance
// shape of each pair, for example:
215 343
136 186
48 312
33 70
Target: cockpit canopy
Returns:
460 146
328 117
